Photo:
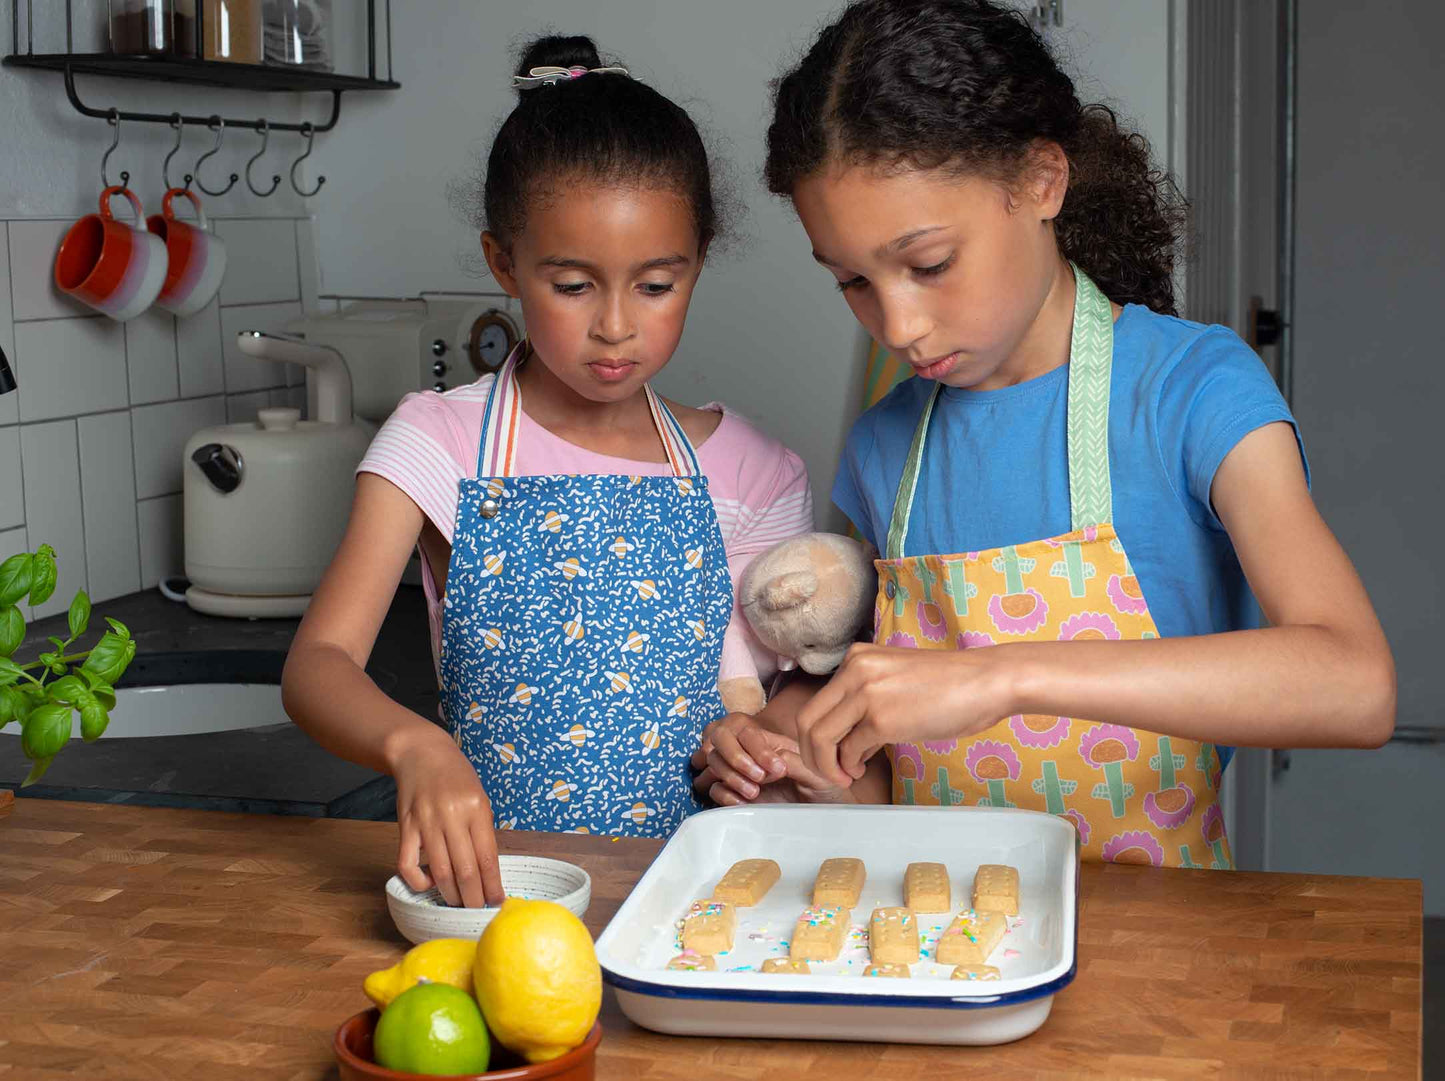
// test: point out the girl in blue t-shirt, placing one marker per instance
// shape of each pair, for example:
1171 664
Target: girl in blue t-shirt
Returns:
1078 497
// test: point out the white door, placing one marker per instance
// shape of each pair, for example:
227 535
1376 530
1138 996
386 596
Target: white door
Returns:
1368 390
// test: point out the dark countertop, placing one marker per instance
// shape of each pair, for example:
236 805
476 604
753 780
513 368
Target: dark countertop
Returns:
273 769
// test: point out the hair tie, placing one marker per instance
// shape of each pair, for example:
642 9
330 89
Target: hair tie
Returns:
546 76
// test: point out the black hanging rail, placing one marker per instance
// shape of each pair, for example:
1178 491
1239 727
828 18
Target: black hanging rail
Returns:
199 72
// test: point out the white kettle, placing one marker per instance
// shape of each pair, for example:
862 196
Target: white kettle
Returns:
266 503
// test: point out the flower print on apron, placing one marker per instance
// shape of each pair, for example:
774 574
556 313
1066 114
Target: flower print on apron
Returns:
1134 796
582 631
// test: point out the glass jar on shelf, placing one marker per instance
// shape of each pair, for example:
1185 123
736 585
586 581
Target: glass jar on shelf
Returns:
298 33
141 27
231 30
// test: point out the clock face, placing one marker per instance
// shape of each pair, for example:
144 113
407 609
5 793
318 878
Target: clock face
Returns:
493 337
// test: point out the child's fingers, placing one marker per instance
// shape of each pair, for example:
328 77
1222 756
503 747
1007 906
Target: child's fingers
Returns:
440 867
408 860
857 747
821 743
763 746
730 777
466 872
724 796
726 748
484 845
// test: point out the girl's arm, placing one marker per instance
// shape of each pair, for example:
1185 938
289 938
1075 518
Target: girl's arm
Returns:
1321 675
441 807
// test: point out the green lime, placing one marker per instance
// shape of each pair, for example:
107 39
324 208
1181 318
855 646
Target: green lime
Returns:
433 1028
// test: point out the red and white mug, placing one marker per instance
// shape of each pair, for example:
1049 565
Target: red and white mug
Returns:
114 267
196 257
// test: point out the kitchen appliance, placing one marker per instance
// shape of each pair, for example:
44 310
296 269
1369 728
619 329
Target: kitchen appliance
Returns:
395 345
266 503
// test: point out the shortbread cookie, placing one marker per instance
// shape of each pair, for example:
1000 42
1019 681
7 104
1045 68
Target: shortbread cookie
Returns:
975 972
708 927
970 938
893 936
926 889
996 889
692 961
747 882
897 972
839 882
787 966
819 933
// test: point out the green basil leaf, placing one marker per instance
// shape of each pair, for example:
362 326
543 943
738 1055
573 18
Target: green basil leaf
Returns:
93 721
79 614
9 672
105 655
68 689
15 575
58 643
37 771
103 693
45 731
48 659
22 702
120 628
42 575
9 705
12 630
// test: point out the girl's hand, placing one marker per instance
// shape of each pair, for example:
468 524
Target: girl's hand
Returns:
742 762
882 695
442 810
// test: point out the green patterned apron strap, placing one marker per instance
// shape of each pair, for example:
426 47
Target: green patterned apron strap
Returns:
903 501
1091 355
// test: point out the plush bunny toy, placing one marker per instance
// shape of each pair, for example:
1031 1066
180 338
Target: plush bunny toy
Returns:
806 599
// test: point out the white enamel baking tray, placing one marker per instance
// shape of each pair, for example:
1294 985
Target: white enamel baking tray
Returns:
835 1002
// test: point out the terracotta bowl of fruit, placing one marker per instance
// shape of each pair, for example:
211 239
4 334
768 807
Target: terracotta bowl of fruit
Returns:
353 1047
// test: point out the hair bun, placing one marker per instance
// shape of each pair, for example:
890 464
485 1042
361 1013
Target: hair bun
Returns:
555 50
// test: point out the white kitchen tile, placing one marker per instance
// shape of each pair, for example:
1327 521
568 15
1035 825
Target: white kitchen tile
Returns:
9 403
162 545
107 489
70 366
308 265
199 353
150 357
241 408
52 505
245 373
33 245
12 493
260 260
160 434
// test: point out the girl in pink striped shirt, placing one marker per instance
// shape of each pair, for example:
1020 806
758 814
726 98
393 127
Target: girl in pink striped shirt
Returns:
580 537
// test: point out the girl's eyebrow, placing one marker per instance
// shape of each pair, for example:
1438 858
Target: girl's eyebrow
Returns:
674 260
884 250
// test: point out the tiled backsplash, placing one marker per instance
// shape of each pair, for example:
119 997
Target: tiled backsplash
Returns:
90 444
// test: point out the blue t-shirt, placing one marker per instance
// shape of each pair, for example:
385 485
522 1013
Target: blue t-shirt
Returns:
995 470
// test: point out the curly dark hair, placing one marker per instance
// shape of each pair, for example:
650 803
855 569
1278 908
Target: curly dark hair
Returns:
604 127
969 86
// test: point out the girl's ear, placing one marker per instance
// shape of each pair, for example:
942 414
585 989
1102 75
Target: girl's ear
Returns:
1048 178
499 261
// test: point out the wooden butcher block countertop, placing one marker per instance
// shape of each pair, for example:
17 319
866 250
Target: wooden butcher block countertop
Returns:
145 942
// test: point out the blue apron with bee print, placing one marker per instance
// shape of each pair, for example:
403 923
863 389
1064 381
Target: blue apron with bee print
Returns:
582 631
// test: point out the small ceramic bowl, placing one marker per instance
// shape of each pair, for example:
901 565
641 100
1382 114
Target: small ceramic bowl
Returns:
353 1059
425 916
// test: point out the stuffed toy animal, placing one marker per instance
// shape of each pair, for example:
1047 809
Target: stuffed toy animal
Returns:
806 599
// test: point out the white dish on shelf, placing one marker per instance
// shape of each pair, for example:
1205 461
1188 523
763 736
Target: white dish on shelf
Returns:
421 917
835 1002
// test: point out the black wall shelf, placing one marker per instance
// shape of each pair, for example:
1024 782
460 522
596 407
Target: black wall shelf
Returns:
169 69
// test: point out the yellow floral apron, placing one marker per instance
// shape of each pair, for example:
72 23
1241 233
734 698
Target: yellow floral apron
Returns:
1134 796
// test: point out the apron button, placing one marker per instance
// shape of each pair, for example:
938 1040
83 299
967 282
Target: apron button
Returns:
890 590
490 508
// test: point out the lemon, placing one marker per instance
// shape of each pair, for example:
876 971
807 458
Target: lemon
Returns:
433 1028
537 979
442 960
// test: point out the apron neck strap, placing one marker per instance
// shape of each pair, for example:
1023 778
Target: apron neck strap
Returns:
501 425
1091 353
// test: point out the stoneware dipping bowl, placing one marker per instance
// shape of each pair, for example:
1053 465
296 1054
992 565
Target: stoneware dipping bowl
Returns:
425 916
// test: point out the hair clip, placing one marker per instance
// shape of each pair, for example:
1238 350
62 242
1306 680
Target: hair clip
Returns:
545 76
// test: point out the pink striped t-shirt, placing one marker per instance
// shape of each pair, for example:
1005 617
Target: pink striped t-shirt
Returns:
759 487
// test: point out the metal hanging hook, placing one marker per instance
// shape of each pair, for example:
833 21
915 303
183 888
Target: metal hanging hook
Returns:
179 127
307 133
218 125
265 130
114 121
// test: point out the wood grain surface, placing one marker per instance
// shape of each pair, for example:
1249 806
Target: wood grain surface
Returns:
149 943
